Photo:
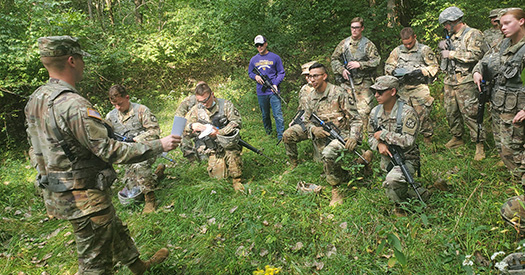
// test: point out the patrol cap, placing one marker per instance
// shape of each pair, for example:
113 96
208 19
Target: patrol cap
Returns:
494 13
259 39
385 82
306 67
450 14
54 46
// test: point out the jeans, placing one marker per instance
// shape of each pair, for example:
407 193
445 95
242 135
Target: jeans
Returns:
265 101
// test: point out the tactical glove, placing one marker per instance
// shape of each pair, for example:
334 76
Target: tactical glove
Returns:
318 132
350 144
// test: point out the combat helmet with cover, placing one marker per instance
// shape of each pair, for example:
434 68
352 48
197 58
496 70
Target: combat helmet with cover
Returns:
230 141
513 264
513 212
450 14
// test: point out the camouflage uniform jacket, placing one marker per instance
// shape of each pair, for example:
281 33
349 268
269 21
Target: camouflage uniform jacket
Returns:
334 105
363 51
200 113
508 95
186 105
303 96
418 57
469 48
493 38
138 122
390 135
84 132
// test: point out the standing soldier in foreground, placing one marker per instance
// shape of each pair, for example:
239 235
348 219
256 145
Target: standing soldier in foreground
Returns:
418 66
354 62
393 122
135 121
331 104
465 49
222 121
493 36
296 132
508 100
74 152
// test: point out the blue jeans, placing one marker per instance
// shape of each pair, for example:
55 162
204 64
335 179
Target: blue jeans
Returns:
265 101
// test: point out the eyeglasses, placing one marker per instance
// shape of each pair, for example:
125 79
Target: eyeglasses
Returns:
205 100
314 75
258 45
354 28
381 92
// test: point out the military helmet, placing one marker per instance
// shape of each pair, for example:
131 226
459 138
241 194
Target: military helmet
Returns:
127 196
513 213
230 141
450 14
513 264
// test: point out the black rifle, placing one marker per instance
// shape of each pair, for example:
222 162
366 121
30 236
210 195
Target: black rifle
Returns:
349 73
414 77
332 129
447 64
397 158
268 84
298 119
484 95
128 138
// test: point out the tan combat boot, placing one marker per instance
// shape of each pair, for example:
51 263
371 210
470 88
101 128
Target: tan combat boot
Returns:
454 142
139 267
337 199
480 152
237 185
293 163
151 203
159 172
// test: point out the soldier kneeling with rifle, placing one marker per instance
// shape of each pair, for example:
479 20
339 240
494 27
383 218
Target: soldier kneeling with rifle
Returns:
392 130
215 125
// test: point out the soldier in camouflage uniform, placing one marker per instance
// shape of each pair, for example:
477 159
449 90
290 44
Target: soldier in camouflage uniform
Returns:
74 152
493 36
508 101
331 104
420 66
357 58
393 122
221 145
137 122
296 132
461 99
187 146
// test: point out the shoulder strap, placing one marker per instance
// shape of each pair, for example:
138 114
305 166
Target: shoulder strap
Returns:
362 44
221 106
376 119
399 119
54 126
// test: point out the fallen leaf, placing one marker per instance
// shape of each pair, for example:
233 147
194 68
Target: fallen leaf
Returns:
233 209
211 221
343 225
297 246
263 252
265 223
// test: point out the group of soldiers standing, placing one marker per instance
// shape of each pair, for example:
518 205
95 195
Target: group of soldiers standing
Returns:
74 146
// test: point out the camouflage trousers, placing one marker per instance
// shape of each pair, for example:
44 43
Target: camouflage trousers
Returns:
512 141
461 104
224 164
102 241
496 121
335 175
419 98
364 99
397 188
139 174
291 137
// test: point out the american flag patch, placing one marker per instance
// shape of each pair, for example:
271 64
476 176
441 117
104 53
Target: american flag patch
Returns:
93 113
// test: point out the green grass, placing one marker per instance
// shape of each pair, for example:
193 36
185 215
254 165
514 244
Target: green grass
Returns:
210 229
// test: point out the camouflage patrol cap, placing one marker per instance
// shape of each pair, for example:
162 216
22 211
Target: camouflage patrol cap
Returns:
513 213
514 264
385 82
54 46
306 67
450 14
494 13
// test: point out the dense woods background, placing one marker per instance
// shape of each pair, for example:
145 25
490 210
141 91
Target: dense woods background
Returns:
157 46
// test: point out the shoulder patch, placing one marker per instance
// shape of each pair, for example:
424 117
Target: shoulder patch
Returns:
93 113
410 123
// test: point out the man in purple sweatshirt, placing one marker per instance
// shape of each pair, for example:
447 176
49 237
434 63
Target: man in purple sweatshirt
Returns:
271 65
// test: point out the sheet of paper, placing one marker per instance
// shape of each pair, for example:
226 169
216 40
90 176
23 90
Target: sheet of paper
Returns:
178 125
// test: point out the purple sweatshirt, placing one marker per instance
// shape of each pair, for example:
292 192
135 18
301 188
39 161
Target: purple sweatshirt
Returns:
269 64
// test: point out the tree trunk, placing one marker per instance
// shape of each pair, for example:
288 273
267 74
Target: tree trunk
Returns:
138 14
90 10
391 13
109 4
